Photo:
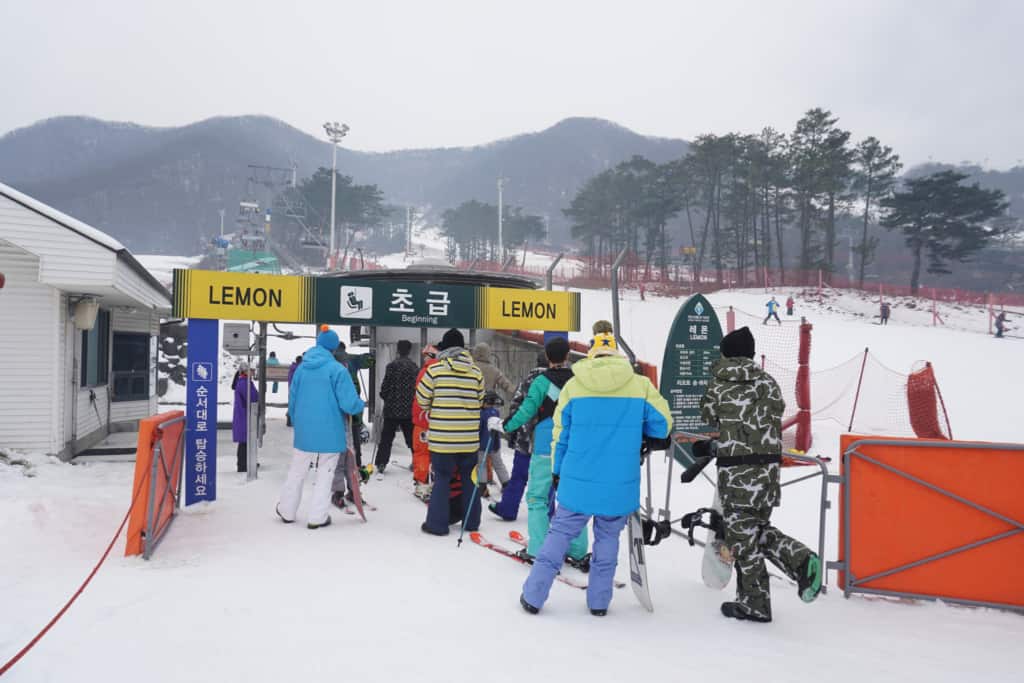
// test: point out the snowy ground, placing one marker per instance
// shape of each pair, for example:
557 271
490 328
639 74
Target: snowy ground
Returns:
234 595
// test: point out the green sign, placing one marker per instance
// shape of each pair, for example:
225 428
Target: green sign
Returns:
692 348
395 304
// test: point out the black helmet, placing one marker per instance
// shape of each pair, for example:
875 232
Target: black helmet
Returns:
492 399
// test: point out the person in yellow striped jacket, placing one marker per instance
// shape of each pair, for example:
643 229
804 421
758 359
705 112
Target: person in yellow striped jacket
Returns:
451 392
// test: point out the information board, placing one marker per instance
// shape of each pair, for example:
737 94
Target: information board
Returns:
691 350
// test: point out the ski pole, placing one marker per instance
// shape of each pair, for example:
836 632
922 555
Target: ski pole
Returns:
472 496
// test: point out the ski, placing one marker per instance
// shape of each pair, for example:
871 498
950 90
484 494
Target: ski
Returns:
478 538
353 482
638 563
518 538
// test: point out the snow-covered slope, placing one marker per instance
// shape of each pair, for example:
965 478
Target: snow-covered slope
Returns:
234 595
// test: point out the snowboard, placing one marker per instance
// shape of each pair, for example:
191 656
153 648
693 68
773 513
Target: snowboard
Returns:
353 482
716 569
638 563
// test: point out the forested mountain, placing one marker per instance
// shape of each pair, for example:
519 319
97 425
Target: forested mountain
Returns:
160 189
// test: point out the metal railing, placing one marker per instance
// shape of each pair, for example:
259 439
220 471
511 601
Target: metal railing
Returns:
172 491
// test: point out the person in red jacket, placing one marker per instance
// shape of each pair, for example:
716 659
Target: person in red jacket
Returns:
420 425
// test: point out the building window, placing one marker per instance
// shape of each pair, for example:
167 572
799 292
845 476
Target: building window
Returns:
96 351
131 367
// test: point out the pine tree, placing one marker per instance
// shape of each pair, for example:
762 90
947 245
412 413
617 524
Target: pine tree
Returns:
943 219
875 176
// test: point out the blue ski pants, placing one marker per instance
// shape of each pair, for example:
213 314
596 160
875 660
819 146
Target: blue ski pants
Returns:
565 526
512 494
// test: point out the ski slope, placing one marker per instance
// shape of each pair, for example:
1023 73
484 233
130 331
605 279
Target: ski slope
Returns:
234 595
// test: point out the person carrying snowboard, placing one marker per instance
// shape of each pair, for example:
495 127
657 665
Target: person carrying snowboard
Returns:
540 404
603 414
773 311
744 403
521 441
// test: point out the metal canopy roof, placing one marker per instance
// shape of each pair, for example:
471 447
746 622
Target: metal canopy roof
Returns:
441 275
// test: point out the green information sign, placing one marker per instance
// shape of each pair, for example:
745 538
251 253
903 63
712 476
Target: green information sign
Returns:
395 304
691 350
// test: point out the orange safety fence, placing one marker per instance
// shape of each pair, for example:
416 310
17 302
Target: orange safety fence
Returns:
935 519
158 473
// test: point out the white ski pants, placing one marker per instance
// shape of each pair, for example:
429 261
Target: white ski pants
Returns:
291 494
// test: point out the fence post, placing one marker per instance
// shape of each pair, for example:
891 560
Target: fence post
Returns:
820 299
856 397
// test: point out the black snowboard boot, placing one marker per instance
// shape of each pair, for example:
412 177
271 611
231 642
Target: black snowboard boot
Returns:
735 610
527 606
583 564
599 612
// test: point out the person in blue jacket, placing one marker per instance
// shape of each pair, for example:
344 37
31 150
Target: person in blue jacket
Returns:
320 396
603 414
773 311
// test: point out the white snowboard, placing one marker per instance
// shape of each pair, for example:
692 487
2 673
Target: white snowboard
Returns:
716 569
638 563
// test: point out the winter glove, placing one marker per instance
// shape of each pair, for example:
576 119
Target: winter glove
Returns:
494 424
703 449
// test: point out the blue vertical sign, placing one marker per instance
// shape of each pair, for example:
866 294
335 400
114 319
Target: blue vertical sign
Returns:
201 411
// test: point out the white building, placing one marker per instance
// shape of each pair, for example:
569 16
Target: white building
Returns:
63 389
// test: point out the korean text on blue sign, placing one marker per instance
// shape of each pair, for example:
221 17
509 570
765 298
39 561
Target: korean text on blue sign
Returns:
200 475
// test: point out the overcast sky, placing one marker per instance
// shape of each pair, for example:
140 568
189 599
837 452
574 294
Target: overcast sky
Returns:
933 79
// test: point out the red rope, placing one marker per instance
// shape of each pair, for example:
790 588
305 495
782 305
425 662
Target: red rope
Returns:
56 618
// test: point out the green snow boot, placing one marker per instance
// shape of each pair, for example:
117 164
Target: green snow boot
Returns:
809 581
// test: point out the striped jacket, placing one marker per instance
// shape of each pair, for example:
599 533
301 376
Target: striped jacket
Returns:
451 392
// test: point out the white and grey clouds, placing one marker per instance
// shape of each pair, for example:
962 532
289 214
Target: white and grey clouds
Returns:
933 79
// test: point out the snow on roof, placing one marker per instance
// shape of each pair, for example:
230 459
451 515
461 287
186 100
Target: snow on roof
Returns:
97 236
87 231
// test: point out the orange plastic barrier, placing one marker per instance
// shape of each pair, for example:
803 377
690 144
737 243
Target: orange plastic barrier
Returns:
932 519
150 494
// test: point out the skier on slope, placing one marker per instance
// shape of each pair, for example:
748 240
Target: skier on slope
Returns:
320 398
773 311
521 440
540 403
1000 324
490 443
603 414
745 404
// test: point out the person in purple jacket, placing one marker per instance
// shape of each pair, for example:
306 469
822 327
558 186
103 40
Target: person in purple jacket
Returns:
291 372
242 385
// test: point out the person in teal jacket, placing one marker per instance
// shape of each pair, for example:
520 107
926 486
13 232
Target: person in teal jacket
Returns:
603 414
540 402
320 396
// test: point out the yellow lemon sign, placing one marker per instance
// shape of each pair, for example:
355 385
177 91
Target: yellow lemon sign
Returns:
527 309
242 296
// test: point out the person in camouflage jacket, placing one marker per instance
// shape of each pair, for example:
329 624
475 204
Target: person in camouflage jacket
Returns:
745 404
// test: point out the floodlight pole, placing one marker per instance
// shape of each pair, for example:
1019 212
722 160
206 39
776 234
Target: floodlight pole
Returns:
335 133
501 253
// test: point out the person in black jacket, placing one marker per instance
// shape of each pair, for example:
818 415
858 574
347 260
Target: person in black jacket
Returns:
396 390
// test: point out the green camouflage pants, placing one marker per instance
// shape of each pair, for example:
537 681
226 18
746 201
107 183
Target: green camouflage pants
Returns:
748 493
